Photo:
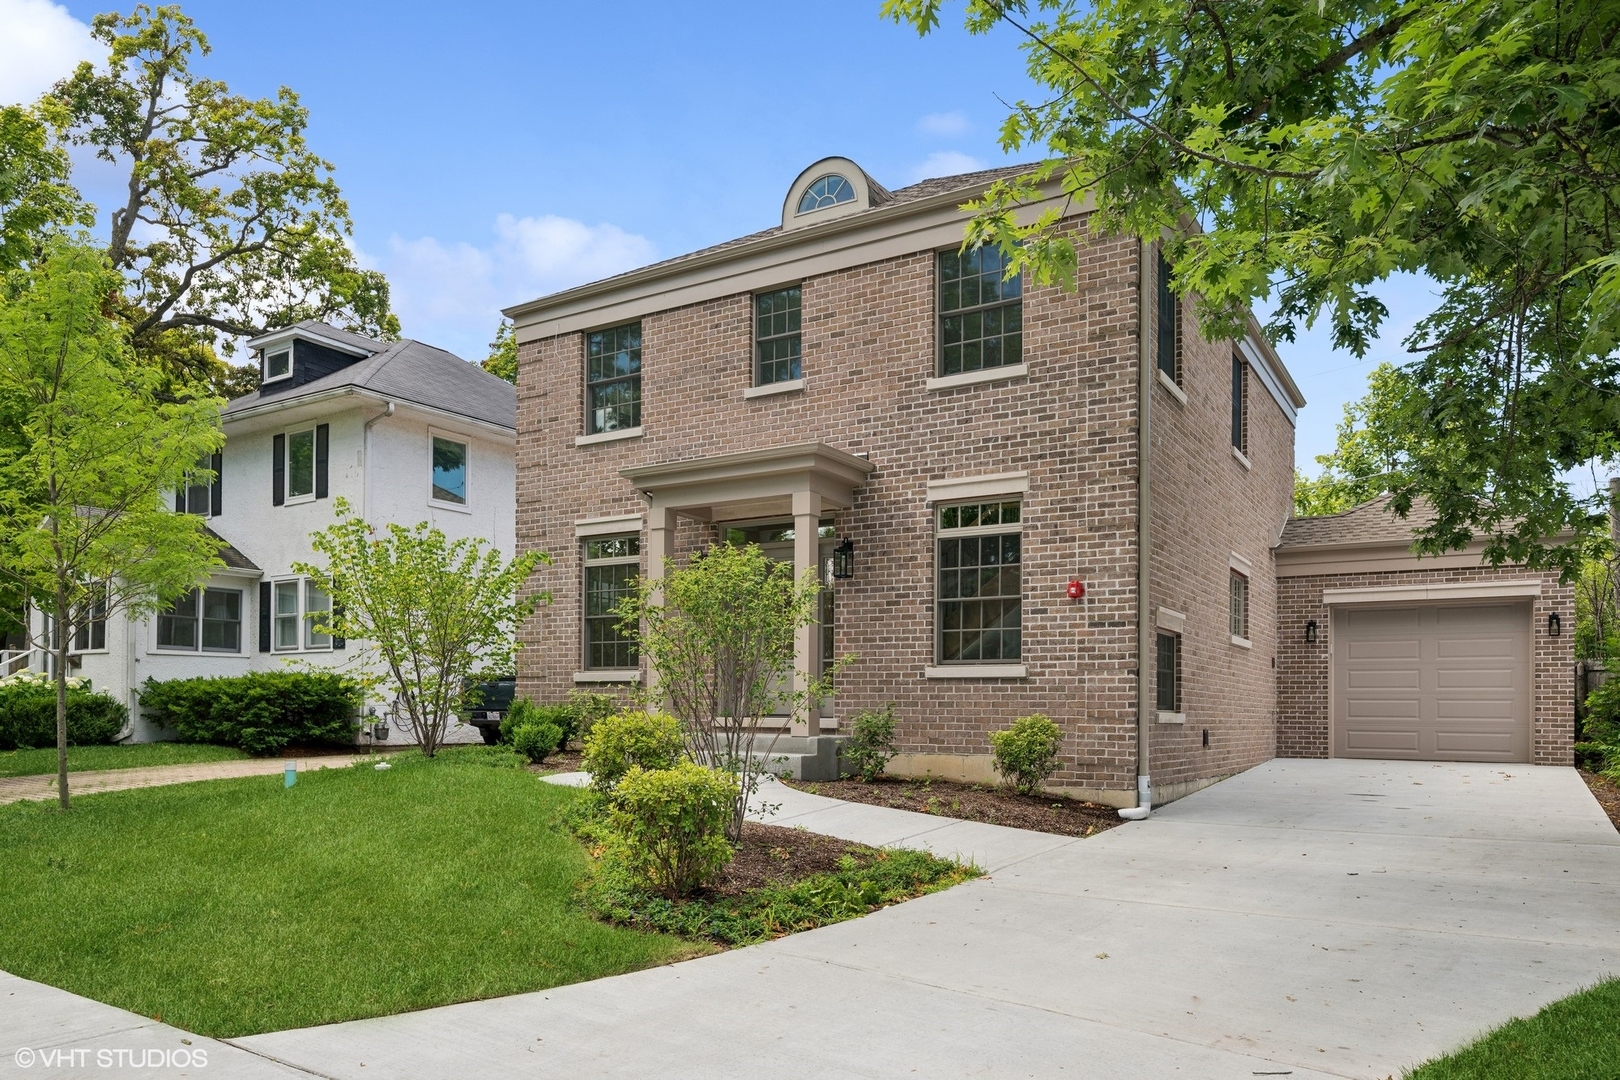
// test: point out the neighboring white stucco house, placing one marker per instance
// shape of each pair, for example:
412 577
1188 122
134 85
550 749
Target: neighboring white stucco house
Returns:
404 431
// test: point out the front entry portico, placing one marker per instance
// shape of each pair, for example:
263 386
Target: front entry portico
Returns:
801 482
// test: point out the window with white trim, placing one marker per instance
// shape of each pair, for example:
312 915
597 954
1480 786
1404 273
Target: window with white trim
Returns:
203 620
612 564
979 587
201 492
278 363
317 604
287 616
1239 586
449 471
301 464
90 634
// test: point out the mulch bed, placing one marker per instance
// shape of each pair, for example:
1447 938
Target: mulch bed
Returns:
561 761
779 855
1049 813
1607 793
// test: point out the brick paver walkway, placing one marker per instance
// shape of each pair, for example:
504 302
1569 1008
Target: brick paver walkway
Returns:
16 788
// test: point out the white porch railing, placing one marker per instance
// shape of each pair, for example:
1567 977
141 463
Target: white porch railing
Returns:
14 660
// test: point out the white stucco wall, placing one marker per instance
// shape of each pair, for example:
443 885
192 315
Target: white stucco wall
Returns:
396 487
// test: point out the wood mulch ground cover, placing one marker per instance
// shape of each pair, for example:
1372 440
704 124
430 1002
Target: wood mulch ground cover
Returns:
779 855
561 761
1047 813
1607 793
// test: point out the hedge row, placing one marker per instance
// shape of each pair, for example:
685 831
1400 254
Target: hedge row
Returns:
262 712
28 713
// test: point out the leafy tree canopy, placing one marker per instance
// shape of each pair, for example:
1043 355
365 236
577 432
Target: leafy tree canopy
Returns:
230 224
35 194
1310 150
1374 450
502 358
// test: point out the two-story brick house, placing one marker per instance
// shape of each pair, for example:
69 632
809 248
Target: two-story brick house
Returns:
1037 493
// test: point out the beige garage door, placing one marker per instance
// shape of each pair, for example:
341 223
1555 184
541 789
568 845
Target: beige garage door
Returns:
1432 682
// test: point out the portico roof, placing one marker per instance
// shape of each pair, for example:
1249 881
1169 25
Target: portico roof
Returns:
703 487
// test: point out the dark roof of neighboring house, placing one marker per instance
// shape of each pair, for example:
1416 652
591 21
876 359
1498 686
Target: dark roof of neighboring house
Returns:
229 555
409 371
1373 522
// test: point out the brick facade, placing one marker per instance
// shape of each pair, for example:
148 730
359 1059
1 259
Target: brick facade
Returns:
1071 423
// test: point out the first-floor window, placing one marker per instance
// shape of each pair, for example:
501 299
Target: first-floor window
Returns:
286 615
612 564
209 620
1168 673
1240 605
90 635
980 589
317 604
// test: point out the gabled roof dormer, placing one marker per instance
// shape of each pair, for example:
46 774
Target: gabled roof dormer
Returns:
832 188
306 351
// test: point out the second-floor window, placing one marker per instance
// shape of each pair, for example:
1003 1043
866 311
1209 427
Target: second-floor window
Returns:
1240 405
776 336
278 364
449 471
613 379
981 315
1167 343
299 461
201 495
90 635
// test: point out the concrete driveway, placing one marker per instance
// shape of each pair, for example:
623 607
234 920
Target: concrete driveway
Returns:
1308 918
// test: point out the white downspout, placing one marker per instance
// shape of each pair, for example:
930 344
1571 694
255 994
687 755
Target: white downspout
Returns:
365 460
1144 542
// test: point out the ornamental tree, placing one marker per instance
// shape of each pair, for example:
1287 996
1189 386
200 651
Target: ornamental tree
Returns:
88 447
431 611
1307 151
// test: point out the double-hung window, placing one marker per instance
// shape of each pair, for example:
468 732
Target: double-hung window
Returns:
201 495
613 379
776 336
287 620
981 312
449 471
1167 673
301 464
90 632
612 564
1239 588
980 589
205 620
1167 342
296 606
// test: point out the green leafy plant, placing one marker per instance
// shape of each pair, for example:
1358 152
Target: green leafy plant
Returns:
871 744
670 825
1026 754
537 740
589 706
262 711
628 740
28 713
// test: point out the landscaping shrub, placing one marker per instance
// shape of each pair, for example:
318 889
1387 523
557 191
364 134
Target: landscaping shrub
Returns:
1599 746
626 740
537 740
1026 754
28 713
524 713
871 745
670 825
262 712
589 707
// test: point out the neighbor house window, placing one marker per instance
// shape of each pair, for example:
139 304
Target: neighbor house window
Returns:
317 604
829 190
979 593
301 464
449 471
981 315
776 336
90 635
1167 344
1240 605
209 620
287 619
613 379
1240 404
201 495
278 364
612 564
1167 672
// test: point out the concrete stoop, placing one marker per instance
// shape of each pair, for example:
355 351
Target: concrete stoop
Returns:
802 757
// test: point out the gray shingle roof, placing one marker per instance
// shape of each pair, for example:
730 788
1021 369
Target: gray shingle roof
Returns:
229 555
409 371
1373 522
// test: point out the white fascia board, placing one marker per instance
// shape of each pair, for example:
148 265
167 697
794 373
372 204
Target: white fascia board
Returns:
247 418
1261 366
608 526
978 487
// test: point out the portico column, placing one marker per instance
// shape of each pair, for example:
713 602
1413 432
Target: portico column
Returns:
807 639
660 542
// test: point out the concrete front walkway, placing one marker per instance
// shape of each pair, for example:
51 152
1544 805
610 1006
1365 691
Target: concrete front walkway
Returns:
16 788
1308 918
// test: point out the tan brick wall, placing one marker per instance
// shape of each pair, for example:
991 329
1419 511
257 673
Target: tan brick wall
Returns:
868 346
1303 669
1207 506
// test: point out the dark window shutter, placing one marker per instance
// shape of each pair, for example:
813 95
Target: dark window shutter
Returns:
216 496
180 498
337 613
323 439
278 470
264 614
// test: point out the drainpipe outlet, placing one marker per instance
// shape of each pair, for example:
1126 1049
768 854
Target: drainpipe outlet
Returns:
1144 801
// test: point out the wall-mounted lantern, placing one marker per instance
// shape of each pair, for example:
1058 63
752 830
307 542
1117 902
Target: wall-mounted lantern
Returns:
1310 631
844 559
1555 625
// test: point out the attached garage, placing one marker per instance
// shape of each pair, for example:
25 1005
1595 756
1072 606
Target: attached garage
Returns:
1385 655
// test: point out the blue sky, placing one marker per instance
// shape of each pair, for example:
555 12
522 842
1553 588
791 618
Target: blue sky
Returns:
491 152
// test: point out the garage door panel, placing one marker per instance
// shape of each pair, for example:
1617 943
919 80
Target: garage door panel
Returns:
1432 681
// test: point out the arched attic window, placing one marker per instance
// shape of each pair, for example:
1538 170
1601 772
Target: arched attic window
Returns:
829 190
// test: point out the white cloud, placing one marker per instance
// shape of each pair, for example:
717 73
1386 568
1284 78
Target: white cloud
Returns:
945 163
39 44
949 124
450 294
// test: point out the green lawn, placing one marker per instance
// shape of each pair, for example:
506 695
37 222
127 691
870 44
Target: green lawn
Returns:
236 906
1577 1038
136 755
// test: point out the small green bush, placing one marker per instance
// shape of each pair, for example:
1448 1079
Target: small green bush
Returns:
670 825
590 707
262 712
627 740
871 744
525 713
1026 754
28 713
537 740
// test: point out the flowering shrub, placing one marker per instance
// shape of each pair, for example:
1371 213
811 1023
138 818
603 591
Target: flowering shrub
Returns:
28 712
